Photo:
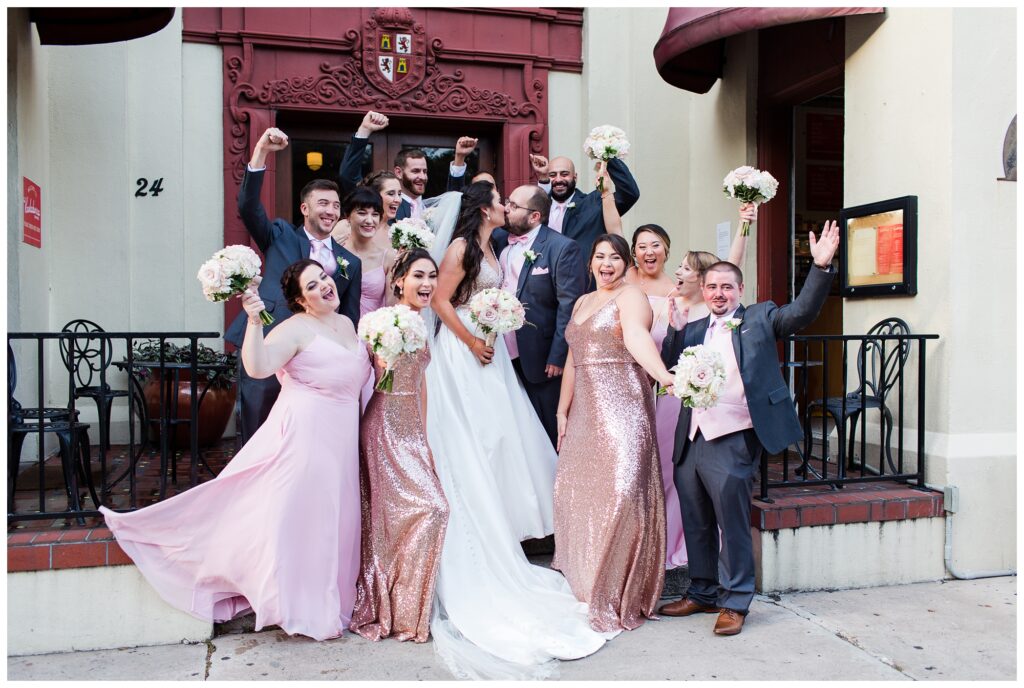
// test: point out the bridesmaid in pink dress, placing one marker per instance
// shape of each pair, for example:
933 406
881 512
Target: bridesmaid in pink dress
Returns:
405 512
277 532
609 504
362 209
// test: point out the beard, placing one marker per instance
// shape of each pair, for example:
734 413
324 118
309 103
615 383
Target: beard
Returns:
517 228
563 195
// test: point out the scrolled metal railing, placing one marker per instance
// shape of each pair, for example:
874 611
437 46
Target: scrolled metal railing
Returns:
887 385
63 421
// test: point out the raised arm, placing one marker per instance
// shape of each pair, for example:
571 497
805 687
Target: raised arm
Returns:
609 211
449 276
264 358
795 316
627 193
250 207
738 250
464 147
351 171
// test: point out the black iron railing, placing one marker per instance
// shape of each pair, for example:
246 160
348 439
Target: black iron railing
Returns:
839 383
88 362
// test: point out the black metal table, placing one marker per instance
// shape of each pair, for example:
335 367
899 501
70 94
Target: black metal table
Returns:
168 418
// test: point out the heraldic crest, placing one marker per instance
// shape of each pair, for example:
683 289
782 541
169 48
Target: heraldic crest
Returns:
394 51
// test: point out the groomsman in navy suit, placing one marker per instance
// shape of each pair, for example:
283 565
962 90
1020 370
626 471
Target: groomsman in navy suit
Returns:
575 214
717 450
283 244
545 272
410 166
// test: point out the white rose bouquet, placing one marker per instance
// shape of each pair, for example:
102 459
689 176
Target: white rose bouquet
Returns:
228 273
699 377
605 143
410 233
391 333
750 186
495 312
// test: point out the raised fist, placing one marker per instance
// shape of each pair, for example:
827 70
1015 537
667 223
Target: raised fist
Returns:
373 121
465 145
540 166
273 139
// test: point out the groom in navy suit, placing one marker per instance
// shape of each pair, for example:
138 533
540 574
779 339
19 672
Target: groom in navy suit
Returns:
717 450
545 272
283 244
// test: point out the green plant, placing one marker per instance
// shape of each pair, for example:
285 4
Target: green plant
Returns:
149 350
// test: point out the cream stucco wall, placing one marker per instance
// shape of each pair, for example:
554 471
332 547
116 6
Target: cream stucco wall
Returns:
682 144
91 121
929 94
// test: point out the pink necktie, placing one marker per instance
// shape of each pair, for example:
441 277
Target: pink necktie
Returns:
555 217
509 285
322 254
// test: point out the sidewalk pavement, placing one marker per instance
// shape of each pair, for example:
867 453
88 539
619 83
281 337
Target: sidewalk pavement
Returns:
943 630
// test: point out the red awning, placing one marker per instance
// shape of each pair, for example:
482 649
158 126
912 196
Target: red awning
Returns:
86 26
691 50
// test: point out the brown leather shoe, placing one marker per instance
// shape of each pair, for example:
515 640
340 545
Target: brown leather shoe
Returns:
729 622
685 607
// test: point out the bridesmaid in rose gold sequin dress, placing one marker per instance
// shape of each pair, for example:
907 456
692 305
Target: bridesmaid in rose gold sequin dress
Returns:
404 512
609 501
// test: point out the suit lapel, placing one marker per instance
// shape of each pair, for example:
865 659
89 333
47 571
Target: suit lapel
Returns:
570 213
737 341
524 274
303 242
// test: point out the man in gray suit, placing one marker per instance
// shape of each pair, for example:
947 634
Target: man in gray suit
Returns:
544 270
717 450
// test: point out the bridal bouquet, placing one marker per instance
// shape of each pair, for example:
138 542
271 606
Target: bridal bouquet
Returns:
411 233
495 312
699 377
228 273
605 143
392 332
750 186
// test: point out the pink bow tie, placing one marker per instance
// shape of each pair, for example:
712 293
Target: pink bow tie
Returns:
522 239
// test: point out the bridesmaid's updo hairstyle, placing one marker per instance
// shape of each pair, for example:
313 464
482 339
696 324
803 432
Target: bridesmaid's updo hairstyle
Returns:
361 197
291 284
653 229
376 180
700 261
405 261
619 245
475 198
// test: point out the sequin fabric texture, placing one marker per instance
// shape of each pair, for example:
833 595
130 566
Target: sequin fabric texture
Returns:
404 512
609 503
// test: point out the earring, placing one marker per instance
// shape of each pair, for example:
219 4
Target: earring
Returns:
488 216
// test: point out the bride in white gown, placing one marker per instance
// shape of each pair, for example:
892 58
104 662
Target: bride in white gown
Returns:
496 616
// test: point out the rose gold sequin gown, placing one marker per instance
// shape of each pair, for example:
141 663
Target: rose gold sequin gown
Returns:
404 512
609 501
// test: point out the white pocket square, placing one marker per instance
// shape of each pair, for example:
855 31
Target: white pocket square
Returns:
540 271
744 331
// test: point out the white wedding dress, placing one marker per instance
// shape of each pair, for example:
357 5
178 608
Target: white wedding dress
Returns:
496 616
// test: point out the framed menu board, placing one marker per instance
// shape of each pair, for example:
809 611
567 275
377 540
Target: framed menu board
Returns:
878 248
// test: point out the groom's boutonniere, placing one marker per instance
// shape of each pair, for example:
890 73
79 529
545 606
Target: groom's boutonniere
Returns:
732 324
343 266
531 256
572 204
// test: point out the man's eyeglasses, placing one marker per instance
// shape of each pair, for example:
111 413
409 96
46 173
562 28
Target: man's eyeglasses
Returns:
513 207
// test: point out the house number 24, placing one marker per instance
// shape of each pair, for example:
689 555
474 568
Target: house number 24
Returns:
154 189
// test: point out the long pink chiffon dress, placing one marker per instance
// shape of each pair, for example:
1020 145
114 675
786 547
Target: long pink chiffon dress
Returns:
278 530
666 416
372 290
405 512
609 504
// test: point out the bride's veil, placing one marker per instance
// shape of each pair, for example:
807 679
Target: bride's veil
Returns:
441 215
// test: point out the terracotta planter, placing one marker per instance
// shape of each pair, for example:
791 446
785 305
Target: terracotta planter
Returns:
214 410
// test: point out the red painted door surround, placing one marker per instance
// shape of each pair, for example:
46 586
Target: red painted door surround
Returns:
486 65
